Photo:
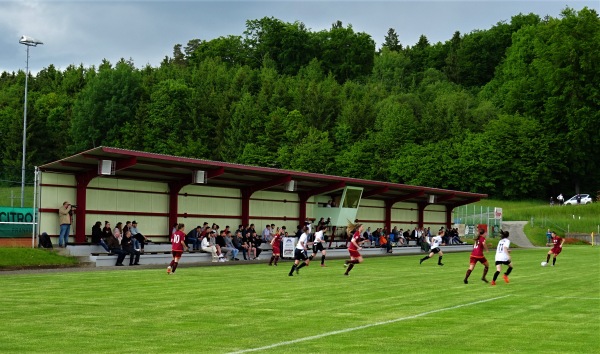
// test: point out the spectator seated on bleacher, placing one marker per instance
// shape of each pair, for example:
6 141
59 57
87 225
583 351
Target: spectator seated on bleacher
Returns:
97 236
206 246
128 247
115 248
220 242
239 243
230 246
400 240
193 238
384 242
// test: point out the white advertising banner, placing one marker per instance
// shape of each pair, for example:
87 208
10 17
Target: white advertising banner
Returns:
498 213
289 243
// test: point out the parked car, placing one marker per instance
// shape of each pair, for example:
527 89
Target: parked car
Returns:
585 199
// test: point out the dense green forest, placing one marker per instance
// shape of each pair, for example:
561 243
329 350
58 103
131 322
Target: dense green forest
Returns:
512 111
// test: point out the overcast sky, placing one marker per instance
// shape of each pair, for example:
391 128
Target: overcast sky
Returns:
85 32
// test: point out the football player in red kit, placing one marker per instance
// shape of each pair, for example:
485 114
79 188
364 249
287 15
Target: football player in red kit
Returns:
177 247
557 243
477 256
354 246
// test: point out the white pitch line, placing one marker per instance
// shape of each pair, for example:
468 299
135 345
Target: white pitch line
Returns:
364 326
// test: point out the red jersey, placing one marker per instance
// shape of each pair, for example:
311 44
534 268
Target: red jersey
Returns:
356 238
478 247
556 240
176 239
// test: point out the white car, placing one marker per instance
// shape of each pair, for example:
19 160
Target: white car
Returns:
585 199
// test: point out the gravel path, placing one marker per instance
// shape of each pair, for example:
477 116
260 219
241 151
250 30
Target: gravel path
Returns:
517 236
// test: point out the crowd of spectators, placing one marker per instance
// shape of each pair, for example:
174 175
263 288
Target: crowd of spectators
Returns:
225 245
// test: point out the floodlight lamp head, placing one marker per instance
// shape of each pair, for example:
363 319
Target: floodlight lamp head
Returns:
30 41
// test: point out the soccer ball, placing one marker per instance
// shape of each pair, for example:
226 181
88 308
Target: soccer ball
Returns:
544 264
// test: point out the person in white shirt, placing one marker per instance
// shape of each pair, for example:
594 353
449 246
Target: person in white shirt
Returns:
206 246
300 252
503 257
436 241
319 245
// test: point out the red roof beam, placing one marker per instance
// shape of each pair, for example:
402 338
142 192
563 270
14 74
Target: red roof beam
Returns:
375 191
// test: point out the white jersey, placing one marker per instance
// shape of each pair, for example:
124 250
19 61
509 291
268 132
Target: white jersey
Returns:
436 241
502 250
301 245
319 236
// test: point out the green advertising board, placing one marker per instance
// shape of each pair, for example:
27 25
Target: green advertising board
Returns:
16 222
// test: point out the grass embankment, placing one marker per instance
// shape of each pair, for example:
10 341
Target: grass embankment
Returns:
540 217
19 257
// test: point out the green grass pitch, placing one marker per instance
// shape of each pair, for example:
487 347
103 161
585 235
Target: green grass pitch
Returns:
386 305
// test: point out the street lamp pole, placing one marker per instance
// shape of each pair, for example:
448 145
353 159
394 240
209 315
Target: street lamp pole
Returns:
29 42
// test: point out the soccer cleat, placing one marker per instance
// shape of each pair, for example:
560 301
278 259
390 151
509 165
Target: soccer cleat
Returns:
466 281
493 282
323 265
421 261
505 277
291 274
169 270
346 274
440 264
485 280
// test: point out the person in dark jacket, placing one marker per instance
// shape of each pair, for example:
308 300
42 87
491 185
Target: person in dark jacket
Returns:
97 236
115 248
127 246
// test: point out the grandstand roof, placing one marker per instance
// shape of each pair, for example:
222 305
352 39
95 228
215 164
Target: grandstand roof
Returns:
147 166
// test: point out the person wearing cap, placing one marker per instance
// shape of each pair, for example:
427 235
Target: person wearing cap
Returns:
135 233
64 219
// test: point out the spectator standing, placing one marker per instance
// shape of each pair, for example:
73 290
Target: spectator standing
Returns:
503 257
548 238
127 246
477 256
354 247
97 236
65 219
177 247
560 199
126 228
557 244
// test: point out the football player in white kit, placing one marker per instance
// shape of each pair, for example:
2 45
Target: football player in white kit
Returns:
319 245
436 241
503 257
300 252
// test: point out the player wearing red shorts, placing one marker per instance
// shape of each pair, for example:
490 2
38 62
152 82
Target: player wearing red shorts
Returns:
177 247
354 246
276 245
477 256
557 243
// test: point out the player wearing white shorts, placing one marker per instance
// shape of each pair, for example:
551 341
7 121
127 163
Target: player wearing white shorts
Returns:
503 257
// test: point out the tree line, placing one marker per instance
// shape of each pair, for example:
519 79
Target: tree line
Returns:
512 111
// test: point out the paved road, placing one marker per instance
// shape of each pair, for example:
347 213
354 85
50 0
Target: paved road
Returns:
517 236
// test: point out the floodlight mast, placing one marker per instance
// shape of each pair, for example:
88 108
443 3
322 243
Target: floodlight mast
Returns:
29 42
